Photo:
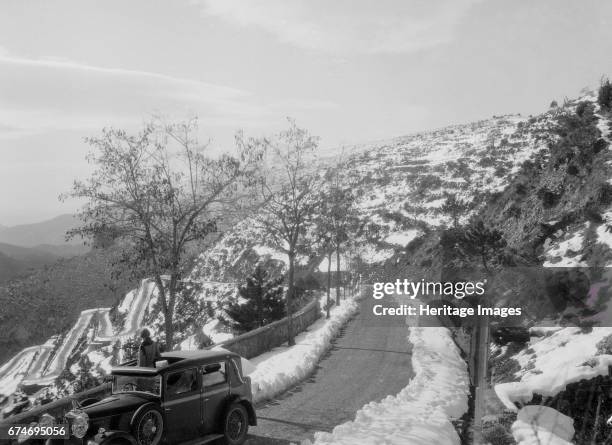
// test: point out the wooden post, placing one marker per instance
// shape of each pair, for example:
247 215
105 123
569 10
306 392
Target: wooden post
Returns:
480 380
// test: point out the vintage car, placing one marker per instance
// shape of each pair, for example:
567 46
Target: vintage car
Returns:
190 396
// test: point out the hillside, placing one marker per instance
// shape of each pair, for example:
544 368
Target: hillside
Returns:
16 260
401 186
540 181
49 232
47 301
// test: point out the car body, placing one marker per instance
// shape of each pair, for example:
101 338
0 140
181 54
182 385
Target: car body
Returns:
189 396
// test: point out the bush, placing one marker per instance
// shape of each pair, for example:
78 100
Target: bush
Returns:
604 347
581 108
604 96
549 198
599 145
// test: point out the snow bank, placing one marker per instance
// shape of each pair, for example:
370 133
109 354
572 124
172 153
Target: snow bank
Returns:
371 255
537 425
567 356
281 368
566 253
420 414
402 238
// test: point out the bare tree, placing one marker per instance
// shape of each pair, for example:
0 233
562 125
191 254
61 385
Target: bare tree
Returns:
339 211
287 191
155 194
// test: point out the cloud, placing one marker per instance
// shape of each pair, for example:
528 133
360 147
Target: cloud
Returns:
348 26
56 94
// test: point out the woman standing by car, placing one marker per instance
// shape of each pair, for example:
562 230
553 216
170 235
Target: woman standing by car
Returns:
149 350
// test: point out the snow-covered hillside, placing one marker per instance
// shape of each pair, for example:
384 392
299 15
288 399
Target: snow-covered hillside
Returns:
559 364
400 186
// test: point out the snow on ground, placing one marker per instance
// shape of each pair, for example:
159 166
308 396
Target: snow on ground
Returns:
101 361
58 363
566 253
553 362
344 264
541 425
282 367
602 126
213 329
126 303
273 254
143 299
105 326
12 373
370 254
604 236
421 413
402 238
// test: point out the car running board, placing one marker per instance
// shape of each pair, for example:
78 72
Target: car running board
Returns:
202 440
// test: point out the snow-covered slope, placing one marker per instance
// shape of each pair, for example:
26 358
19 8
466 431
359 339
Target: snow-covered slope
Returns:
400 187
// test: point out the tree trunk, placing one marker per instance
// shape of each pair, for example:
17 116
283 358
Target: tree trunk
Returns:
259 291
329 254
338 274
167 296
290 290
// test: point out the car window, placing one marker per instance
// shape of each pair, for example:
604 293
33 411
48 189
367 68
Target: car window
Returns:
181 381
211 378
128 383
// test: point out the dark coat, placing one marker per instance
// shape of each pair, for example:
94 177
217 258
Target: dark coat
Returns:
149 353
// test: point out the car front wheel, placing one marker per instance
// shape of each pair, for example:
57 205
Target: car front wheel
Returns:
235 424
148 427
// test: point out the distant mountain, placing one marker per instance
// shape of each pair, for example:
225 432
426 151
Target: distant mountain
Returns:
50 232
27 247
16 260
34 256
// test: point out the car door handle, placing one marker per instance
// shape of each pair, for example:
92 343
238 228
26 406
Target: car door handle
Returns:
167 409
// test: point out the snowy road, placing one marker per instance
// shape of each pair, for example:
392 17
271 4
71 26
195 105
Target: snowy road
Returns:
13 371
366 363
58 363
39 364
138 308
105 326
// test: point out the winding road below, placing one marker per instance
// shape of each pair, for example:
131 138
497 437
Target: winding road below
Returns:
368 361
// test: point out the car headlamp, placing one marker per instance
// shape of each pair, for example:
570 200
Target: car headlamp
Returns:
80 424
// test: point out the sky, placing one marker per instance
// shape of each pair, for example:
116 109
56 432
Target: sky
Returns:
351 71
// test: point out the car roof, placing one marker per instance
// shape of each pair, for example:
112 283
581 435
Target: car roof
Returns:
181 359
135 370
176 360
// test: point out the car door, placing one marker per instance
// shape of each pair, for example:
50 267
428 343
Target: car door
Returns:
182 406
215 390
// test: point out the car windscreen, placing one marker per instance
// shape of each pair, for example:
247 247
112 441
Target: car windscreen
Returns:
131 383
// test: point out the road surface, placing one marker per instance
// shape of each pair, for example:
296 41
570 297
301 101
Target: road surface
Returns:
58 363
105 326
12 372
138 308
367 362
38 366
